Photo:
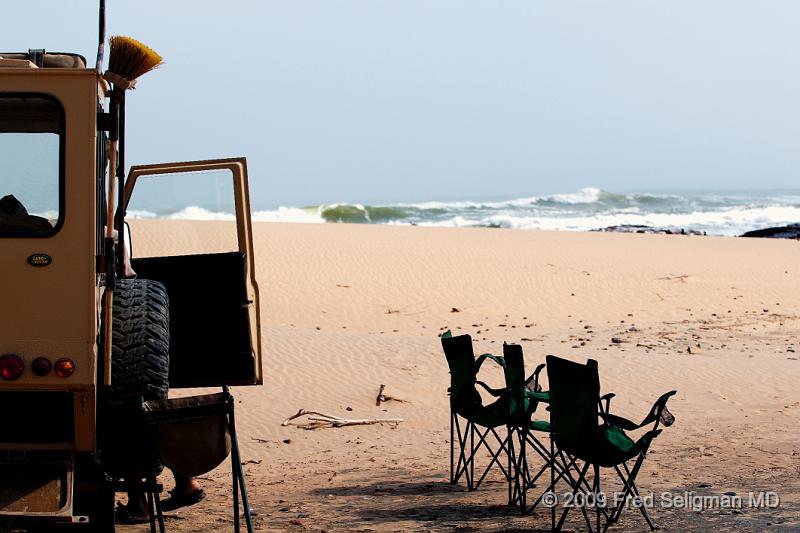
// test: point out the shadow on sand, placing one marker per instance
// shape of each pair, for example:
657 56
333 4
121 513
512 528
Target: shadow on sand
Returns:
440 503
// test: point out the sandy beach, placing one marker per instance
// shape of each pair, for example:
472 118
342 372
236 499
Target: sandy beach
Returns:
346 308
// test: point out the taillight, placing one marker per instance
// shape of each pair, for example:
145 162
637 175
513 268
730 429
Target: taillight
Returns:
64 367
11 366
41 366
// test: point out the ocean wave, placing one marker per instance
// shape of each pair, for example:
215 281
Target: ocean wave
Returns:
583 197
587 209
728 222
587 195
140 213
360 214
199 213
289 214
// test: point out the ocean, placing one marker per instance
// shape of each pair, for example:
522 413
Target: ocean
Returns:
713 213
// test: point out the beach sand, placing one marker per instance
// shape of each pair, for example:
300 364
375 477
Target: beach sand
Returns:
346 308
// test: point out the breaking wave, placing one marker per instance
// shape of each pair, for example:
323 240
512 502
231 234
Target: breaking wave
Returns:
587 209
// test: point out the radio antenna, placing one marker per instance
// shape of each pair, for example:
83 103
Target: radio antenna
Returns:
101 46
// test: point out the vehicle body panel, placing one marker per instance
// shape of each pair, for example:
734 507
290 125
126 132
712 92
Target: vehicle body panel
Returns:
52 310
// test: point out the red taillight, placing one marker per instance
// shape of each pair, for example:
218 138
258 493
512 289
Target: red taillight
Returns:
41 366
64 367
11 366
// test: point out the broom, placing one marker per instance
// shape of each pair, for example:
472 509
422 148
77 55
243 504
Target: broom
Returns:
129 59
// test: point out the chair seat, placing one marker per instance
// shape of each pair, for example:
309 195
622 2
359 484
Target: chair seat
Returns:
614 446
492 415
192 434
539 396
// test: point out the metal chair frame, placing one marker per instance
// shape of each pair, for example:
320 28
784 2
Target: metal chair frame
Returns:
226 408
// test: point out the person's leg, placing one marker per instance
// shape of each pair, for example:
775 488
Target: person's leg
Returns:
137 504
136 511
185 485
186 492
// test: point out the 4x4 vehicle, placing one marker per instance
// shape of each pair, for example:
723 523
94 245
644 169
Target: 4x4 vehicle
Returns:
183 319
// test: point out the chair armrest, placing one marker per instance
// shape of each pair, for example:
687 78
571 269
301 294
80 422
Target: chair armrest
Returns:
621 422
660 411
497 359
606 398
658 414
493 392
532 383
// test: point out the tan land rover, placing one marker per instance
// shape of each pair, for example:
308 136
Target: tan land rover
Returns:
184 320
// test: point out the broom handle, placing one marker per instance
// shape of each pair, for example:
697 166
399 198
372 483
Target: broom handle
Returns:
112 185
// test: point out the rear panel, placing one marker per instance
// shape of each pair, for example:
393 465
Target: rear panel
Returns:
47 276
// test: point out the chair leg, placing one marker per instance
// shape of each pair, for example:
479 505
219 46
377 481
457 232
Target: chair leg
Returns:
152 509
522 476
154 500
470 440
452 446
456 466
595 496
635 489
235 495
630 488
494 455
238 475
576 485
511 458
462 464
550 462
552 482
459 467
471 478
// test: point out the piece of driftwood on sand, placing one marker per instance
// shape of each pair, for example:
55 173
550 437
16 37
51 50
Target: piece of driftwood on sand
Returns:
317 420
384 398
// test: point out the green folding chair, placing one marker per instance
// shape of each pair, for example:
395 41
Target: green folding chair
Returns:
525 394
575 408
474 426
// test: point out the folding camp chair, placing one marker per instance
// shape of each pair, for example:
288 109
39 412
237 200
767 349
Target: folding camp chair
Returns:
194 435
480 422
575 405
526 433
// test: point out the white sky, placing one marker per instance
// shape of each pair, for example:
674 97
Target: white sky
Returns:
380 101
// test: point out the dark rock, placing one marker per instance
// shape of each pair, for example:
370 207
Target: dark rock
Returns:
640 228
792 231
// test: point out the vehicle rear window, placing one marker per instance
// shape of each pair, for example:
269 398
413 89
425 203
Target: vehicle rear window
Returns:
31 165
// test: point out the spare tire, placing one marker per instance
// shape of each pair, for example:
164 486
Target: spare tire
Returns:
139 372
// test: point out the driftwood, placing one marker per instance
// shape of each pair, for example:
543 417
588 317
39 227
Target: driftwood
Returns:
682 278
317 420
383 398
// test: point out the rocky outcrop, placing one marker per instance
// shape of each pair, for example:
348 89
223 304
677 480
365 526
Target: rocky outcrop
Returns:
639 228
792 231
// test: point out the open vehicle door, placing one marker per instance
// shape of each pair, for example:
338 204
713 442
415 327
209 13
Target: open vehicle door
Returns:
215 336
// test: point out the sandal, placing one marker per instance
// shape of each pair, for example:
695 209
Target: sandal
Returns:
176 501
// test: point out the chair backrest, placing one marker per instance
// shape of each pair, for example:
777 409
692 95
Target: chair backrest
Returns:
464 397
515 380
574 395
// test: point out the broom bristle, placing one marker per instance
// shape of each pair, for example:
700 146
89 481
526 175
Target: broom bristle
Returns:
130 59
